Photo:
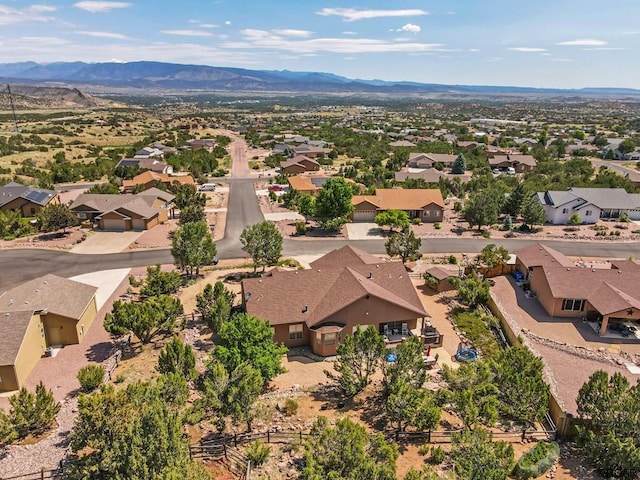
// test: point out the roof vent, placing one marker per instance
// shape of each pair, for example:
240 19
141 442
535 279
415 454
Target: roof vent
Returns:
370 276
45 282
7 314
11 302
305 309
26 301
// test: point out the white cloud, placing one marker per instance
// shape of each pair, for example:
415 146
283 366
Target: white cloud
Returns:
227 22
474 50
528 49
409 27
289 32
208 25
449 13
604 49
546 54
99 6
116 36
42 8
34 13
349 33
352 14
38 41
265 39
561 60
584 42
188 33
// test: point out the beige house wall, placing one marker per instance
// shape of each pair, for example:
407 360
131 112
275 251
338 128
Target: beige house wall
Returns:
87 318
31 350
8 379
24 206
538 284
281 335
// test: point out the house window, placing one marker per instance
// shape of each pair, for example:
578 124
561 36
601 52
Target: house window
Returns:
564 210
436 213
588 213
82 215
329 338
572 304
33 211
427 213
295 331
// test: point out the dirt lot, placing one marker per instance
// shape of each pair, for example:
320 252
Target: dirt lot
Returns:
48 240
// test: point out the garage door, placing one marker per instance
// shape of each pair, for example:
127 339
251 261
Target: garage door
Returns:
364 215
117 225
139 224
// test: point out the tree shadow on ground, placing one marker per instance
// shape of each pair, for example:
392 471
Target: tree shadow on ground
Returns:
99 352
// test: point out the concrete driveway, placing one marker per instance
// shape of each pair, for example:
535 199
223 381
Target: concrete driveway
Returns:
364 231
106 280
98 243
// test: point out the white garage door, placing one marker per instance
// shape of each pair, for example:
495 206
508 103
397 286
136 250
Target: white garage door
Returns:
138 224
364 215
114 225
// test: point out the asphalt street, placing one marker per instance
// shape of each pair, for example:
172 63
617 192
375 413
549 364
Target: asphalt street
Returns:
19 265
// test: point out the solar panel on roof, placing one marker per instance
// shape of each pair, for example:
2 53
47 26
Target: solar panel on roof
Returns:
37 196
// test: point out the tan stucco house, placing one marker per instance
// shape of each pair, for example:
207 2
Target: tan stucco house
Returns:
24 199
520 163
426 204
124 212
299 164
344 290
608 292
148 179
47 311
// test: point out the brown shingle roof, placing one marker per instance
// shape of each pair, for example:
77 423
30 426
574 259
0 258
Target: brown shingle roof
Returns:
347 256
13 327
539 255
514 159
402 198
442 272
140 204
281 297
57 295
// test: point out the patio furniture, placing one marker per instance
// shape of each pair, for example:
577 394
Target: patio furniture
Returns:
430 360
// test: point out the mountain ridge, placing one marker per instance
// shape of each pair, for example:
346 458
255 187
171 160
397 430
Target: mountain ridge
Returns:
162 76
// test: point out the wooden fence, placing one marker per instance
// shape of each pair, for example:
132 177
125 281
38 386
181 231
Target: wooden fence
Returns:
41 475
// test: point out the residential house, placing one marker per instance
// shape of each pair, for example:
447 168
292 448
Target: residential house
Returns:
281 149
45 312
608 292
428 160
164 148
24 199
591 204
426 204
207 144
148 179
153 164
149 152
429 175
402 144
520 163
342 291
310 151
299 164
124 212
310 185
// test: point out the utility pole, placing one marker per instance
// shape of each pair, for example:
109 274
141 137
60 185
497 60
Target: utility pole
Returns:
13 109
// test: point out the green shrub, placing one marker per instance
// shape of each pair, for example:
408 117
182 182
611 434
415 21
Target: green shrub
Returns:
417 221
119 378
437 226
536 461
290 407
623 218
437 455
301 228
90 377
453 260
486 234
257 452
424 450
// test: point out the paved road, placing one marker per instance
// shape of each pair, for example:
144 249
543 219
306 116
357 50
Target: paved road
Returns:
615 166
17 266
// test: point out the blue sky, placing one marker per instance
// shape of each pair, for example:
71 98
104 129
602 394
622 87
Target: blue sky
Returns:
543 43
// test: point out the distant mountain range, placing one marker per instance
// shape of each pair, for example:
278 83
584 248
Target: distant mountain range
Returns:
170 76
